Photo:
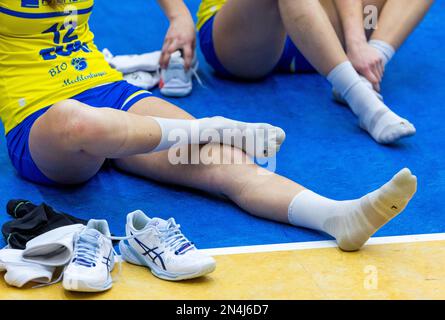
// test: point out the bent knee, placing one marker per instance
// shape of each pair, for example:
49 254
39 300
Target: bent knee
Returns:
72 122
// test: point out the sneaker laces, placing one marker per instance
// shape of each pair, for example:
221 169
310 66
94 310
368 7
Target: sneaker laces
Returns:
85 251
84 257
198 78
174 238
171 235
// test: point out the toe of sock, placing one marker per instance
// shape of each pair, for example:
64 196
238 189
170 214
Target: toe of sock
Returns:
405 172
281 135
406 182
395 132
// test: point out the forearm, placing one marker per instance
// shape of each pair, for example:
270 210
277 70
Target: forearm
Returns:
351 15
174 8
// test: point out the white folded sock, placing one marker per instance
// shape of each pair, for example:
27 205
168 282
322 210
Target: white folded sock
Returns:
53 248
142 79
148 62
19 272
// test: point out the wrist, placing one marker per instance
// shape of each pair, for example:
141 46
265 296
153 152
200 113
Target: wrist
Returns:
355 43
178 13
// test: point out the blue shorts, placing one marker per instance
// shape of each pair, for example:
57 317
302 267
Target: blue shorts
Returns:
118 95
291 61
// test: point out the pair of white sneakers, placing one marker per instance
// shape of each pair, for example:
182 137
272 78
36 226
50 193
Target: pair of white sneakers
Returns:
150 242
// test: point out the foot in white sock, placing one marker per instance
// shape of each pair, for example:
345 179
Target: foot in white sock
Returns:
353 222
256 139
267 138
362 218
385 126
375 117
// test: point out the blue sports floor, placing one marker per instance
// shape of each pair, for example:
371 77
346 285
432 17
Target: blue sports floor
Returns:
325 149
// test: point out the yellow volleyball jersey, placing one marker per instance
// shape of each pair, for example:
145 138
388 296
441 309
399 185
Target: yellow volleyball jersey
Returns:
46 55
207 9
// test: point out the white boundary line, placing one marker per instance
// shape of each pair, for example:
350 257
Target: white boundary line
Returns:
321 244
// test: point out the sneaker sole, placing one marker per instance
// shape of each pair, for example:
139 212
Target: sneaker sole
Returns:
176 92
132 256
78 285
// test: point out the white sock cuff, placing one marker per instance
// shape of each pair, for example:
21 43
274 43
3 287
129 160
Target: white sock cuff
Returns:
191 128
387 50
343 77
166 125
304 210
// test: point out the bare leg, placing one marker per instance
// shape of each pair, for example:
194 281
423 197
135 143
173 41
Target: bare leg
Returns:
312 32
249 35
72 137
70 142
398 19
252 188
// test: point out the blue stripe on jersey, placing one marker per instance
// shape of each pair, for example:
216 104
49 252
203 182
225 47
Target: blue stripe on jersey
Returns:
27 15
30 3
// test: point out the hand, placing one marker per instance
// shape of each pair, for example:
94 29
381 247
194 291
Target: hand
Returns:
180 35
368 62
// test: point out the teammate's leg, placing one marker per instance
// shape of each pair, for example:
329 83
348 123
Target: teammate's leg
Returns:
242 46
398 19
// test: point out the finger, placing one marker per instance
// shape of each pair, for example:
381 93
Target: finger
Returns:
174 45
165 59
165 56
371 77
166 44
377 74
188 56
382 69
379 67
377 71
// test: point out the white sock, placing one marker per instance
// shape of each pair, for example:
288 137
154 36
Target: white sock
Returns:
18 272
267 139
386 50
148 62
374 116
337 96
143 79
353 222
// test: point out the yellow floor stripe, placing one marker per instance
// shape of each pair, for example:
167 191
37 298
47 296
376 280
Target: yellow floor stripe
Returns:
392 271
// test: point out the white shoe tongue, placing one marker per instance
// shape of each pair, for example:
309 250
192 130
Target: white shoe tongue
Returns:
90 235
159 223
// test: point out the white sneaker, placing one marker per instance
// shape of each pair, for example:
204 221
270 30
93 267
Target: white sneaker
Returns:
175 80
160 246
93 260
